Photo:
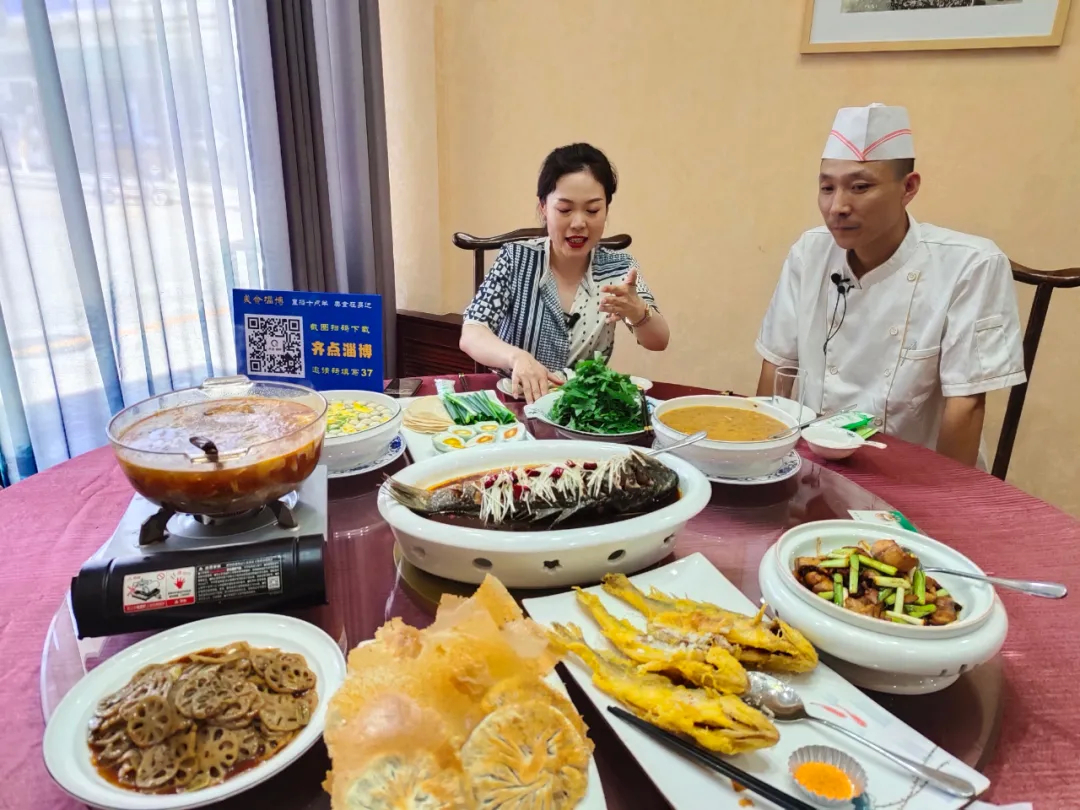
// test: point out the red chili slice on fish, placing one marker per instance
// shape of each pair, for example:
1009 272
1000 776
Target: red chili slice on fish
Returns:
533 473
489 482
589 465
519 491
571 464
556 474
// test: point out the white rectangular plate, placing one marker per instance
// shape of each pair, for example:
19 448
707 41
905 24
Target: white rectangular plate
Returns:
688 786
419 444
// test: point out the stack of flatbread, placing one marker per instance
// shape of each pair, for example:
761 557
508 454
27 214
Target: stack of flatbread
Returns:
427 415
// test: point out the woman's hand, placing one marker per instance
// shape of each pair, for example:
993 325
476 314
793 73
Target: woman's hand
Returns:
530 377
621 301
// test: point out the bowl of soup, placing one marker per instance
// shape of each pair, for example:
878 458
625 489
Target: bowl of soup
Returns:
740 441
226 446
360 425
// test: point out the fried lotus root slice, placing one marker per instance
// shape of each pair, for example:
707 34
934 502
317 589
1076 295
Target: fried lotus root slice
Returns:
185 750
261 657
284 713
289 673
150 680
201 701
151 720
525 688
113 747
156 768
526 756
251 744
400 782
242 708
276 740
128 767
222 655
218 749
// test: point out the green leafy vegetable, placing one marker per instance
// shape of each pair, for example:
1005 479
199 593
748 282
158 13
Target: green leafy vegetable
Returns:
468 409
599 400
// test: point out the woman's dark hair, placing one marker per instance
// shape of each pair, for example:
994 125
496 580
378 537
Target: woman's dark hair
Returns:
575 158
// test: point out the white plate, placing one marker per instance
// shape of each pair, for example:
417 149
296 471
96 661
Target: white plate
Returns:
67 755
393 452
791 465
419 444
689 787
594 793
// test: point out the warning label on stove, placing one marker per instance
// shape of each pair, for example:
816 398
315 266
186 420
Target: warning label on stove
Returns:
152 590
238 578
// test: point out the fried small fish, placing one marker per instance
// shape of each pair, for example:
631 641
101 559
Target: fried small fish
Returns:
620 485
699 660
720 723
759 644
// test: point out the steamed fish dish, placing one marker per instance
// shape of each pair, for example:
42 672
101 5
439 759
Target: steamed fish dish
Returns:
755 642
582 492
715 721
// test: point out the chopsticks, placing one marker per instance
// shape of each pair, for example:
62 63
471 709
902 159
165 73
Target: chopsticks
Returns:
646 425
702 757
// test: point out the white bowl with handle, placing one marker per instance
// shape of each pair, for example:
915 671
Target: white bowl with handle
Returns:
553 558
718 459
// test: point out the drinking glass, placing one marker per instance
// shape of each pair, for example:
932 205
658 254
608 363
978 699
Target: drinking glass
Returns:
789 386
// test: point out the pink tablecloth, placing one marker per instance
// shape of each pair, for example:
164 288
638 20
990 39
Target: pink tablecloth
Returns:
54 520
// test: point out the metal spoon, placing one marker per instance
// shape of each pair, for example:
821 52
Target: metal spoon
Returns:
767 692
691 439
1047 590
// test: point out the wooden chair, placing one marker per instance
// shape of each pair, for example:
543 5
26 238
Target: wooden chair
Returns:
1045 282
481 244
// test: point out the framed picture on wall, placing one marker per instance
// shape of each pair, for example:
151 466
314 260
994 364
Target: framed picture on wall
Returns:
913 25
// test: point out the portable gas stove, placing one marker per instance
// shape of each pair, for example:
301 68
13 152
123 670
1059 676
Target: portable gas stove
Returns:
162 568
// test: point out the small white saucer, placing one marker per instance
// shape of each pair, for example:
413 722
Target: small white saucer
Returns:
392 454
792 464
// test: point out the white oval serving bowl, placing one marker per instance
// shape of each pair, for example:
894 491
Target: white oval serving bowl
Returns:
67 754
541 409
343 453
876 654
728 459
542 559
800 412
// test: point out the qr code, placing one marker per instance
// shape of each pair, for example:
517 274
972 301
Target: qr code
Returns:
275 344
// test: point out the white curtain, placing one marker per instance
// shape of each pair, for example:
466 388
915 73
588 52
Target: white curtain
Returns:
140 181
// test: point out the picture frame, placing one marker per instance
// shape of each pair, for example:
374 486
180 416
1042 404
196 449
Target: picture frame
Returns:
839 26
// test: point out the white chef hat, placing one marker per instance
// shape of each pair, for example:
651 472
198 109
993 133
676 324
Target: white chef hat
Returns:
876 132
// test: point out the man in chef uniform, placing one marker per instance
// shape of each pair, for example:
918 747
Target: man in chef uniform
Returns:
910 322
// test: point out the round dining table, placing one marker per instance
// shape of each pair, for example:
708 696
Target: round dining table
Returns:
1015 718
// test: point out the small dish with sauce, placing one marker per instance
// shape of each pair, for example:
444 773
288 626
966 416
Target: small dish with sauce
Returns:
827 776
738 445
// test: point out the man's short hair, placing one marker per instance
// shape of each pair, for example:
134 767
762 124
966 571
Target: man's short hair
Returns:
902 167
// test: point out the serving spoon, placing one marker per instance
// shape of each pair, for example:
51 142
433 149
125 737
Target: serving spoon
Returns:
693 438
1047 590
785 705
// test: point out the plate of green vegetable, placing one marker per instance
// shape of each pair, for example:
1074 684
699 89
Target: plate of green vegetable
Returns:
597 404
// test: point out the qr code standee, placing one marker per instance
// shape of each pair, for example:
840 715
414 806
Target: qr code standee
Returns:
275 345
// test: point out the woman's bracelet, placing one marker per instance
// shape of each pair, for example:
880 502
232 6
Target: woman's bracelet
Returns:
644 318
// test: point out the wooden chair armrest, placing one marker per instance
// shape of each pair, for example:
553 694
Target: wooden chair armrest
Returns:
1066 278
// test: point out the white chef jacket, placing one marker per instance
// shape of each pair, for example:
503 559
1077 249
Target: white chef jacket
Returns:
938 319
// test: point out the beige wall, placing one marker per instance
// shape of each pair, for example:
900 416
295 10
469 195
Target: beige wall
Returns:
716 123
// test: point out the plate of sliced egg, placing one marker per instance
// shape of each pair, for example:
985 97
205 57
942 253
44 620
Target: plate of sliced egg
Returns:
461 437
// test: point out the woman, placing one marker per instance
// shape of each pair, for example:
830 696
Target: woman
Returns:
549 302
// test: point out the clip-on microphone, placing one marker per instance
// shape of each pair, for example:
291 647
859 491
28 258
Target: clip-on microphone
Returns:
843 285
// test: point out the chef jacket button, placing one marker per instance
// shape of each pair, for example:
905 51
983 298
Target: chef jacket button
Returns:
888 372
834 370
877 422
894 331
912 276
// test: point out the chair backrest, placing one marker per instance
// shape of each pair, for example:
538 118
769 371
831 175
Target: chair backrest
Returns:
481 244
1045 282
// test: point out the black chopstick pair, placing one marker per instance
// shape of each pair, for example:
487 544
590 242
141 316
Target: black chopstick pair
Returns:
702 757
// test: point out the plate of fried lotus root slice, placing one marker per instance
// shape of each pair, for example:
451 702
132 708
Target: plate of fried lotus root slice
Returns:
462 715
195 714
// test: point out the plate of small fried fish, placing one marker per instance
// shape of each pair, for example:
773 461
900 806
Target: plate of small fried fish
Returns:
674 644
